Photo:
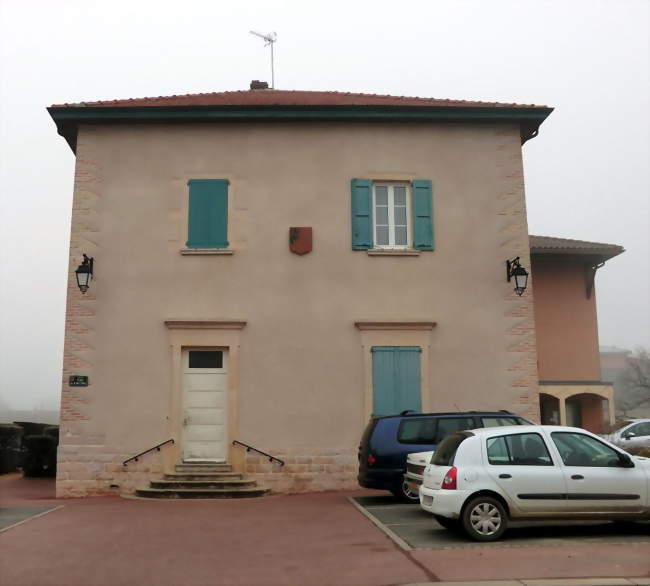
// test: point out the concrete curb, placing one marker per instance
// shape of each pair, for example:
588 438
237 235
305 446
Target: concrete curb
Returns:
54 508
545 582
386 530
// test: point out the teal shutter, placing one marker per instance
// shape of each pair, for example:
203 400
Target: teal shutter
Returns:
395 379
208 215
361 214
422 215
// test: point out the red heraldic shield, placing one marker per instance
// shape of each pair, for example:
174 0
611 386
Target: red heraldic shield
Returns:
300 240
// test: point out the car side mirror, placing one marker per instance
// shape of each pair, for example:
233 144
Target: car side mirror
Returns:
628 435
625 460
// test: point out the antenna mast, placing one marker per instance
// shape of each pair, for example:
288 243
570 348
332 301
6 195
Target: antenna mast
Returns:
268 40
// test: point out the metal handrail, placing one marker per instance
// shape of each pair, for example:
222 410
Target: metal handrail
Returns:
249 448
147 451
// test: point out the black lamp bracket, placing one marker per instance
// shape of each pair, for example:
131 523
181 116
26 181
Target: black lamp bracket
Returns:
88 261
511 265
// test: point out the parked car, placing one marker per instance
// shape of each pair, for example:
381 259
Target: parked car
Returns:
387 441
417 462
635 434
478 480
415 465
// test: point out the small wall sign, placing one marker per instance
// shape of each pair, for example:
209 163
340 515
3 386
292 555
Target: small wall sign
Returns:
300 240
78 381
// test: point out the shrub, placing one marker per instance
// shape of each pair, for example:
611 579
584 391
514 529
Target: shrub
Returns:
31 428
40 455
10 447
52 431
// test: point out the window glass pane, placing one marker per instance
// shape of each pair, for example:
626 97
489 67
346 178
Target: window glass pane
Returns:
577 449
400 235
400 195
497 451
206 359
498 421
417 431
446 450
382 216
639 429
381 195
400 215
528 449
382 235
523 449
450 424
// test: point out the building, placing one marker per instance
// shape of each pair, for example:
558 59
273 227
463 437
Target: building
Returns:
571 389
272 267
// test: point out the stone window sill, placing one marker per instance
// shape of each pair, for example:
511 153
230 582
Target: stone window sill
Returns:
207 251
387 252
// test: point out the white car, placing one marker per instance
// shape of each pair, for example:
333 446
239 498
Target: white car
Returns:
480 479
635 434
415 465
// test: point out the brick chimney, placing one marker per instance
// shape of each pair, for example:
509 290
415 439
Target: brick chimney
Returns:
259 85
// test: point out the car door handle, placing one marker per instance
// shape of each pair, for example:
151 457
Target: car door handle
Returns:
577 477
505 476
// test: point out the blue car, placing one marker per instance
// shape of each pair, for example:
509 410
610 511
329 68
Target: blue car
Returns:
387 441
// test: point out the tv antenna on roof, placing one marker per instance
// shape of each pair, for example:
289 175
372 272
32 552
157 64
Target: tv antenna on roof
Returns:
268 40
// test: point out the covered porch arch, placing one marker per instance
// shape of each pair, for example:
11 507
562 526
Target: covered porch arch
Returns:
585 404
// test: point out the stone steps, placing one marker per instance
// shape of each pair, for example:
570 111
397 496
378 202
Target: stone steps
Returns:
204 476
203 468
200 493
202 481
215 483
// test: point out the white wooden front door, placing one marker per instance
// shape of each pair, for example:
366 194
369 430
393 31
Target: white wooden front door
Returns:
205 405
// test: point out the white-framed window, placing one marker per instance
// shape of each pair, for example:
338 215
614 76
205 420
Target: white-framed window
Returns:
392 215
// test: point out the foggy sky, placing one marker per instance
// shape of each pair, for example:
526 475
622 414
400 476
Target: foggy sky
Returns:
586 173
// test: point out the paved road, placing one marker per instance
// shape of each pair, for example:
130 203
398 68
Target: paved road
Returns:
311 540
412 528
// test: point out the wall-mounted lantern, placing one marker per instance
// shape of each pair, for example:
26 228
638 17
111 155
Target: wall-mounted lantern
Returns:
84 273
520 274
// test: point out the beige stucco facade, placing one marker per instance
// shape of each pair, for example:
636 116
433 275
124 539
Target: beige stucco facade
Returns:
297 328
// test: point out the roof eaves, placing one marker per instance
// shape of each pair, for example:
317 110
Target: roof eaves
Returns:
547 245
67 118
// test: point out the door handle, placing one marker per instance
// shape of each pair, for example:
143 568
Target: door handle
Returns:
577 477
505 476
185 421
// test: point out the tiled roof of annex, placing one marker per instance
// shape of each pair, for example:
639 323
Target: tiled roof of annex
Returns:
550 245
272 97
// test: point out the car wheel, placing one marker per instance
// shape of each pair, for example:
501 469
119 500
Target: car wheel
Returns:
484 519
405 493
447 523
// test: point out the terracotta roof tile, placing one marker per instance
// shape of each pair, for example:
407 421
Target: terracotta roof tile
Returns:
269 97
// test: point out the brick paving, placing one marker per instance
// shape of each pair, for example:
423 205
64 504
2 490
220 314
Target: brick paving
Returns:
308 539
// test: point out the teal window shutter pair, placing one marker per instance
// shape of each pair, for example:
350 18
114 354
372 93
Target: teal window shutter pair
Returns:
362 214
396 379
208 213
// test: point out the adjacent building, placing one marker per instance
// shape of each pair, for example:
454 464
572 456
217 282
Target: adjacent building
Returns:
571 389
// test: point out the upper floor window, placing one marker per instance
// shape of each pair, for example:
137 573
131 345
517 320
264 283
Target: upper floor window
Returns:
392 215
392 210
208 213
